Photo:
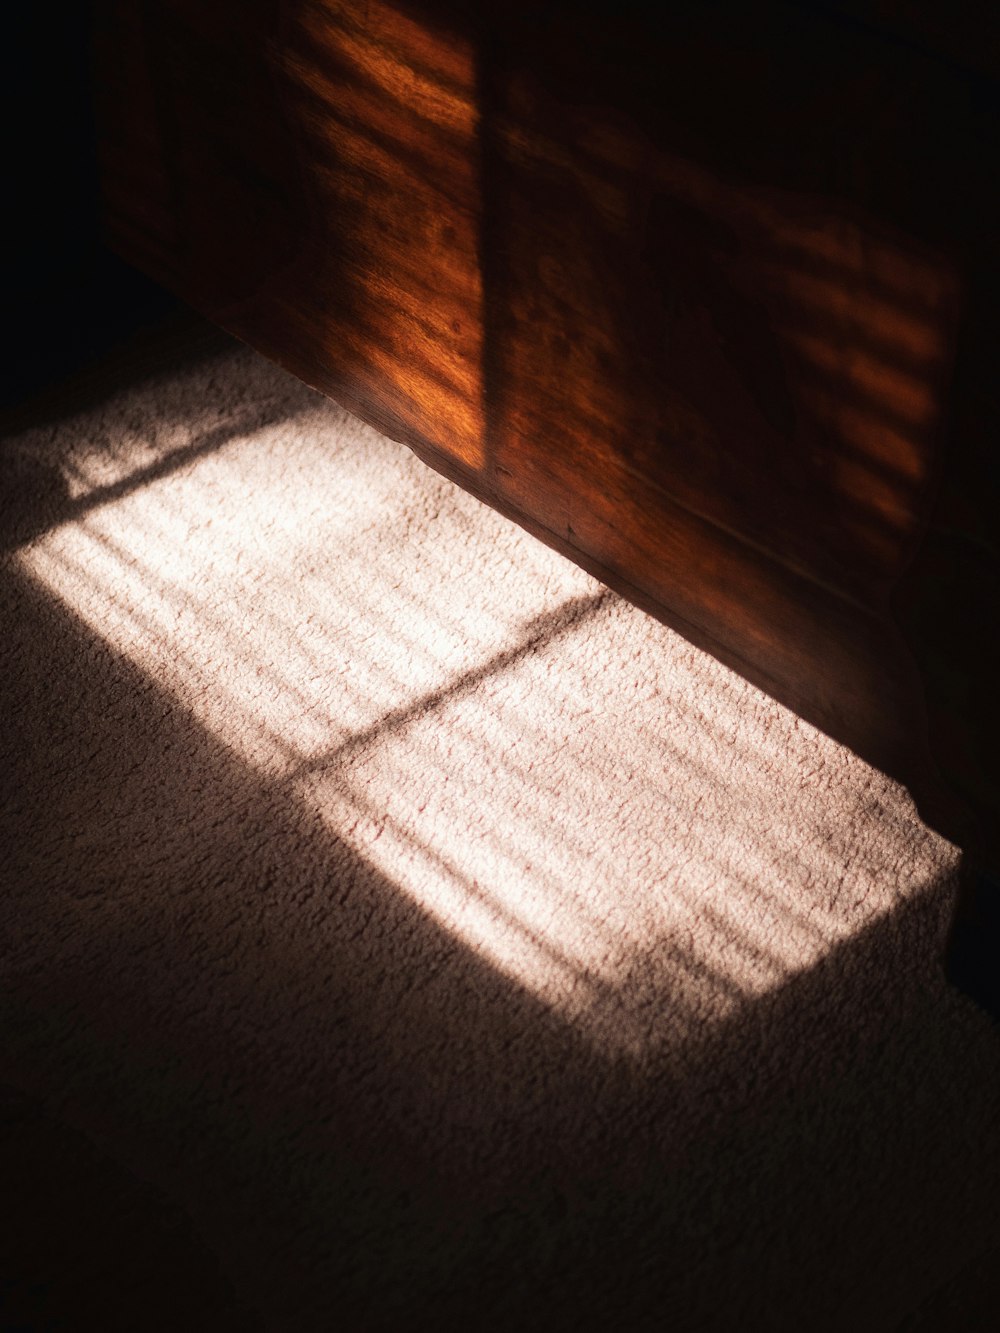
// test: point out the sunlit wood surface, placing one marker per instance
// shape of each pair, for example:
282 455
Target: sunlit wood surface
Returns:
703 300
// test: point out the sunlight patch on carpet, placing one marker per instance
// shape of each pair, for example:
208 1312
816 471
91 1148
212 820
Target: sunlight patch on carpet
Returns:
569 787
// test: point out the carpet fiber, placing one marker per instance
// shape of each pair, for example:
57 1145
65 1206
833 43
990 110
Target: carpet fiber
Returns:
400 930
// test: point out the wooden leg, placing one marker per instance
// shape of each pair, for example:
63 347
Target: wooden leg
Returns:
972 957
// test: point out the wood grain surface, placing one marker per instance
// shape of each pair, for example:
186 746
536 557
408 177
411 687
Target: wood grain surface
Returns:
703 299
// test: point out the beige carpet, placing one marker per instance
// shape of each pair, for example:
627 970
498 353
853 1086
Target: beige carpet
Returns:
402 931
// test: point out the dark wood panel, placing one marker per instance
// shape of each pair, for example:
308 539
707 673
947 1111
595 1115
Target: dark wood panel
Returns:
689 294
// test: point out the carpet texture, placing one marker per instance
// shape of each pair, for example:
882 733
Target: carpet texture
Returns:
401 931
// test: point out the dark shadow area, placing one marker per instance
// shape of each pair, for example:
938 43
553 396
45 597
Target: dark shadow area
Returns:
67 298
86 1243
975 934
358 1121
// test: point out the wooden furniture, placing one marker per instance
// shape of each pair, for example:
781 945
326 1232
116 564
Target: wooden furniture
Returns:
705 299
